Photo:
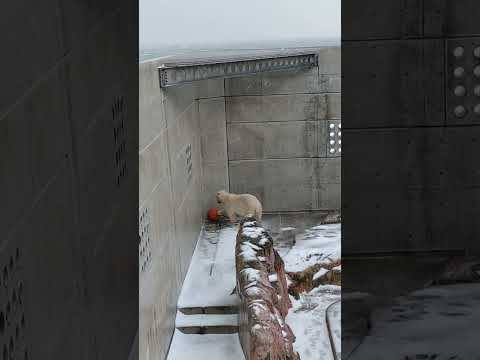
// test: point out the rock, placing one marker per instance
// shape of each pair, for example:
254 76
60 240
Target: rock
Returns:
313 276
263 291
333 218
460 269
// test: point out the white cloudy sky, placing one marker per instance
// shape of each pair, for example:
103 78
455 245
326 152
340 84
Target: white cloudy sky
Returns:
200 21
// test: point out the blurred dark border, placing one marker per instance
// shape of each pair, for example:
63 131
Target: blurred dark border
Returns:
69 179
410 177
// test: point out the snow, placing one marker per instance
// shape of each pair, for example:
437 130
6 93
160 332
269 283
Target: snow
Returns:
273 278
334 313
320 273
287 228
247 251
211 276
211 279
253 232
314 245
210 346
307 319
252 275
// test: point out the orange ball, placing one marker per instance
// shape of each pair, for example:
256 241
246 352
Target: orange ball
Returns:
213 214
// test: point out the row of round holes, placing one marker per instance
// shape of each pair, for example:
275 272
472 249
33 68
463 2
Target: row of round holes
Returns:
459 73
332 138
145 240
11 265
11 307
8 354
152 332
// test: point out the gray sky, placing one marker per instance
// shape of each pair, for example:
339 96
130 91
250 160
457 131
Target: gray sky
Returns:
202 21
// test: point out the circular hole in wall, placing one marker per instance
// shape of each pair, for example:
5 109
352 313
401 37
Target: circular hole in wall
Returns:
476 90
458 52
476 52
459 111
459 90
459 72
476 71
476 110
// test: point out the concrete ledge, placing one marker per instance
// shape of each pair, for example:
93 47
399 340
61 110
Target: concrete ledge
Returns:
263 291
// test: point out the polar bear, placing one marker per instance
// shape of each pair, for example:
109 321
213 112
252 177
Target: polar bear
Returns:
242 205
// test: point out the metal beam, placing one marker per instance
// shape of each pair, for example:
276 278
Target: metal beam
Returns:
175 74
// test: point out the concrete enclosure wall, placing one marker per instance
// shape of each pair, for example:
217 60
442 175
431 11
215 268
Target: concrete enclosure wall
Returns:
198 138
175 166
278 136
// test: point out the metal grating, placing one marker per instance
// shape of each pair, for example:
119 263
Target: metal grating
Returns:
334 138
185 71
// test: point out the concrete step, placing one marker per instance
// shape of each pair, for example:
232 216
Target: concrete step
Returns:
207 323
221 310
203 347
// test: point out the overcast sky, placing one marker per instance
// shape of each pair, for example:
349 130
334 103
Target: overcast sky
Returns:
201 21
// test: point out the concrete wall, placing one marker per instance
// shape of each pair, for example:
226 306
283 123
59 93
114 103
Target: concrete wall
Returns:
278 136
68 228
178 169
198 138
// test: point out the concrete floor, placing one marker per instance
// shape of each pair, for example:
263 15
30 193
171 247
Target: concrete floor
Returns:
439 322
390 307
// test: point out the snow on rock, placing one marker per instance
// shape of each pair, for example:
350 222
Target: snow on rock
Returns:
320 273
264 304
317 244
